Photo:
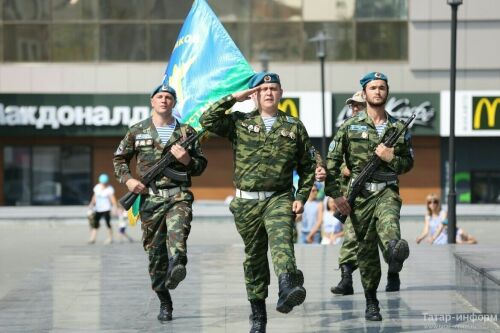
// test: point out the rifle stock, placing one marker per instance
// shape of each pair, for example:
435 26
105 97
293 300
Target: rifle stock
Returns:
369 169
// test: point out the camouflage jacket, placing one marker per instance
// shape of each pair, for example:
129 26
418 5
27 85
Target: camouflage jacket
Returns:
355 143
142 140
264 161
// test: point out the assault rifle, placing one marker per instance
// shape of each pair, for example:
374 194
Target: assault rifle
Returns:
161 167
358 183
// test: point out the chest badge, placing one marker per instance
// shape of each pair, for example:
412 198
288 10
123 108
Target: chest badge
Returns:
256 128
292 135
284 132
250 128
364 135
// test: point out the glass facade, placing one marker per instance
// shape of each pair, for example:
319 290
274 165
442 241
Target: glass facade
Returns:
47 175
146 30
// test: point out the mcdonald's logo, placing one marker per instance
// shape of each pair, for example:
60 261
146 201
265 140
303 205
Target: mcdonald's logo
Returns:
290 106
491 106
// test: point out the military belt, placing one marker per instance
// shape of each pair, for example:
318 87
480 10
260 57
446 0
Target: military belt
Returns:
375 187
258 195
168 192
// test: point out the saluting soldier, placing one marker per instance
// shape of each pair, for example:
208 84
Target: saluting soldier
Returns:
166 216
375 216
267 146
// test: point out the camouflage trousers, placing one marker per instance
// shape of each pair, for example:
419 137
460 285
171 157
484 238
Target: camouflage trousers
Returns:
349 248
165 223
375 222
262 224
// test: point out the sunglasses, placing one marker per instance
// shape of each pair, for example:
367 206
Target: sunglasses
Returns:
433 201
358 105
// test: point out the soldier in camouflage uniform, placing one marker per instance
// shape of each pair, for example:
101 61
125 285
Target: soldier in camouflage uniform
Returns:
347 258
166 216
375 216
267 146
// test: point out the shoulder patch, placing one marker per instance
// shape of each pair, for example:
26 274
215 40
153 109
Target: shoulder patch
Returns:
332 145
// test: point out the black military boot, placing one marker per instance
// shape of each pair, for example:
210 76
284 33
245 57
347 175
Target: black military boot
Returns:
166 307
345 285
176 270
393 282
291 291
372 311
398 253
258 318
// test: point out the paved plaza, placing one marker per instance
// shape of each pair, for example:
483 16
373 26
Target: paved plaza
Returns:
52 281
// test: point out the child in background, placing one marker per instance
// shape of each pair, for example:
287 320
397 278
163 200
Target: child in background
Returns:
122 225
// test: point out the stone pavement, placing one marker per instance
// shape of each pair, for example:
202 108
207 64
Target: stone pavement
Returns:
61 284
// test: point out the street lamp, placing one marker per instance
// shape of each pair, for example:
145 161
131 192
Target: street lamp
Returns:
264 59
320 42
452 195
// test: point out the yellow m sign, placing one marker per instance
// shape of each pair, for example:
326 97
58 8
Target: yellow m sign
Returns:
290 106
491 105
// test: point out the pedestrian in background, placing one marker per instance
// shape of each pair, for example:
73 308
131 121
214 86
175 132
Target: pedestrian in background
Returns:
267 146
312 219
375 217
432 221
102 203
333 229
165 216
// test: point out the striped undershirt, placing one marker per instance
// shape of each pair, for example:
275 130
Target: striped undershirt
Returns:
380 128
269 122
165 132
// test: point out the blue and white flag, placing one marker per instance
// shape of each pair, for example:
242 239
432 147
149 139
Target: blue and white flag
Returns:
205 65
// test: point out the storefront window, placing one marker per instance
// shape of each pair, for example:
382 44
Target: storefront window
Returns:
26 42
17 176
382 41
486 187
47 175
340 47
26 10
163 37
74 42
113 50
122 9
397 9
283 41
64 10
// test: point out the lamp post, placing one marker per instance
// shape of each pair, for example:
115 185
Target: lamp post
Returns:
452 195
264 59
320 42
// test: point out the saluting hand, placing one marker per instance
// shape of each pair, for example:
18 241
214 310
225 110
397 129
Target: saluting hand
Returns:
386 154
244 95
180 154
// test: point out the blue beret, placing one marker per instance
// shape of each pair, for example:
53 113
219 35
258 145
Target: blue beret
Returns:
371 77
164 88
263 77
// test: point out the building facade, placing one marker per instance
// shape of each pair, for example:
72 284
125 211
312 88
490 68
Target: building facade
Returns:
75 73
